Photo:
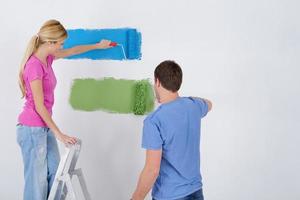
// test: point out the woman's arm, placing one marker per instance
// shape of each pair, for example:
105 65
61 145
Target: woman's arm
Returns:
104 44
38 97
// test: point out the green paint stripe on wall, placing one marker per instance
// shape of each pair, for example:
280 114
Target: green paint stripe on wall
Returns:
112 95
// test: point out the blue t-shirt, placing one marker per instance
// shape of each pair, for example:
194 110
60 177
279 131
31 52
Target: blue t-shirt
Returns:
175 128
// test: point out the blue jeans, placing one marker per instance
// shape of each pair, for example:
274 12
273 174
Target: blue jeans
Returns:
198 195
41 159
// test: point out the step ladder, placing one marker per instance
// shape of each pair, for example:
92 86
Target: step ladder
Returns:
62 188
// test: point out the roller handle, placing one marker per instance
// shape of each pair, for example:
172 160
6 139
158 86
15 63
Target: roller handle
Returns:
113 44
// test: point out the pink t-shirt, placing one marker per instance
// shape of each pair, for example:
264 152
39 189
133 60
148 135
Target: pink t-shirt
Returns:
35 69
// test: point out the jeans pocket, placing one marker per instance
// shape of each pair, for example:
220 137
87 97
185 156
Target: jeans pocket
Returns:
39 139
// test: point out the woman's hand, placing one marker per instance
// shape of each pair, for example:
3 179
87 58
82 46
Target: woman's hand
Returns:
67 140
103 44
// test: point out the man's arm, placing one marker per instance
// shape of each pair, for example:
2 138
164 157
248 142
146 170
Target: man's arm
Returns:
148 175
209 103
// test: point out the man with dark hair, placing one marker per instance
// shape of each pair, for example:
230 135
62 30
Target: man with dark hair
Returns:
171 137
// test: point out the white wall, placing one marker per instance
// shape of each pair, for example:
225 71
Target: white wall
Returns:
243 55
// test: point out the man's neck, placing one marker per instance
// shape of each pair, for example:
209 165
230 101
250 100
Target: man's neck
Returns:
168 97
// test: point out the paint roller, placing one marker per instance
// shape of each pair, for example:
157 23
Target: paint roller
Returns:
142 90
114 44
132 45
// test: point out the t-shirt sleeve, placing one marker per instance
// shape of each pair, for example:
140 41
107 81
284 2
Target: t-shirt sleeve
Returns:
34 71
202 105
151 136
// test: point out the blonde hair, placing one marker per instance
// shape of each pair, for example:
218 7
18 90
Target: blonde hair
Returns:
51 31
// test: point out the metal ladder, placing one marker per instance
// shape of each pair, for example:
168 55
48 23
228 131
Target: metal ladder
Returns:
62 188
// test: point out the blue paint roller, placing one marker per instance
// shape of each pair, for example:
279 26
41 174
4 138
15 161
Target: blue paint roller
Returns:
133 44
114 44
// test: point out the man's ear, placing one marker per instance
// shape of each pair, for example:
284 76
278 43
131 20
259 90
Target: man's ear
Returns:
157 82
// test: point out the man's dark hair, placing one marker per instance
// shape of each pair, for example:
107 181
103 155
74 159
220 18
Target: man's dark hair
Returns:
169 74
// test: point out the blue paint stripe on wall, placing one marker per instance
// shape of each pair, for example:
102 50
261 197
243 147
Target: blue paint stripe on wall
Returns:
130 39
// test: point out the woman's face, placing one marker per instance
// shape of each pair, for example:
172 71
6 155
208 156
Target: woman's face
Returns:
55 46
